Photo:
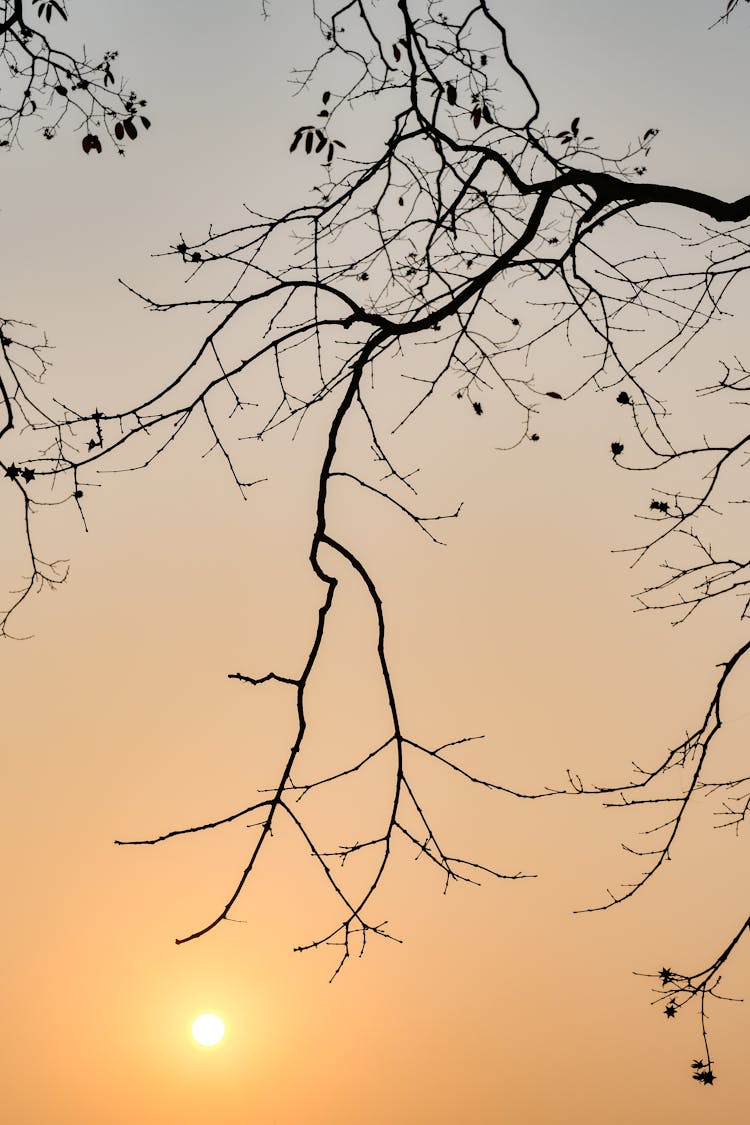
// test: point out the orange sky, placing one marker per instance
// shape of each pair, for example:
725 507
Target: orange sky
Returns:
118 720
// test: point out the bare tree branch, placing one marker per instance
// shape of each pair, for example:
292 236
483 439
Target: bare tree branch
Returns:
475 235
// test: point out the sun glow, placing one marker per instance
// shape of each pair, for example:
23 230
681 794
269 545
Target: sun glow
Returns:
208 1030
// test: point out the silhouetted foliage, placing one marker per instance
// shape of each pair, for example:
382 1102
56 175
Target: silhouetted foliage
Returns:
483 230
45 88
43 85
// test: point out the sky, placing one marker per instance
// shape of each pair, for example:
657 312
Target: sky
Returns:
500 1003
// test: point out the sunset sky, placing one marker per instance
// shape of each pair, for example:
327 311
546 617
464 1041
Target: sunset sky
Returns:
500 1004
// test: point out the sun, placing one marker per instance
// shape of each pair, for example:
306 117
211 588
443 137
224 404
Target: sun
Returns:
208 1029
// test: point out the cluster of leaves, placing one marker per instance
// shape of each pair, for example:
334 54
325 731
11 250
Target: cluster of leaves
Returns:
14 472
45 8
125 127
572 135
702 1072
315 138
47 84
480 110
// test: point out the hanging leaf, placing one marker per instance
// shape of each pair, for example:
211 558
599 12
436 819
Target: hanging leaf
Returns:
486 114
130 128
476 117
145 122
553 394
119 131
322 141
326 97
396 52
329 157
451 93
309 142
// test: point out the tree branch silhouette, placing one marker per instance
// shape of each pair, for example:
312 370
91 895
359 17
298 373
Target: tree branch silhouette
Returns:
45 87
477 229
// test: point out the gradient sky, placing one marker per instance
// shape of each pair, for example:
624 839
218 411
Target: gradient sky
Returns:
118 720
